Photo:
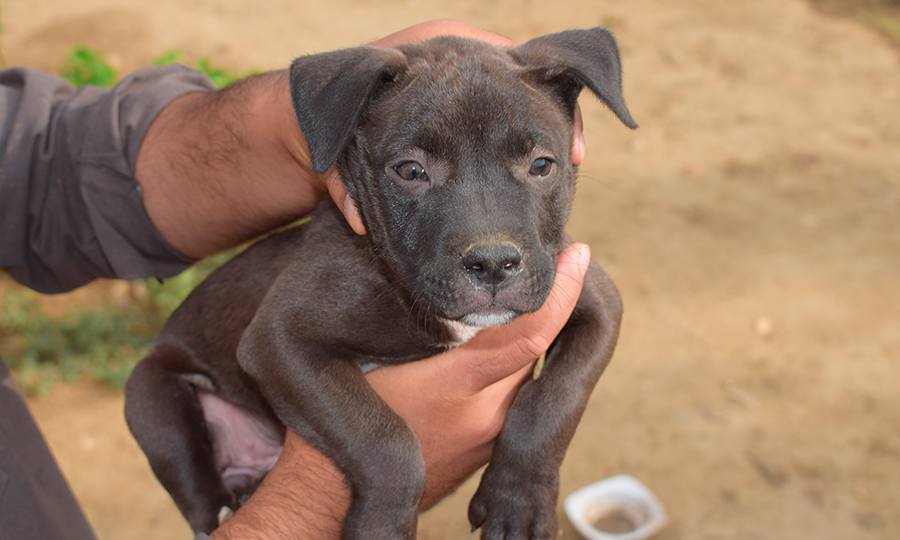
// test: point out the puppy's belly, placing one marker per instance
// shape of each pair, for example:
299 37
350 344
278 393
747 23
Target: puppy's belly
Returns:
246 447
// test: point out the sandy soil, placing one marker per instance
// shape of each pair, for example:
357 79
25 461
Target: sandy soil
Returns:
752 224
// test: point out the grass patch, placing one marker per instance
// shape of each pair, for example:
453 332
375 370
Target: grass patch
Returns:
87 66
221 77
102 342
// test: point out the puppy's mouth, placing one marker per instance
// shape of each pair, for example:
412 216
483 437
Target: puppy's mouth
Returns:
456 298
489 316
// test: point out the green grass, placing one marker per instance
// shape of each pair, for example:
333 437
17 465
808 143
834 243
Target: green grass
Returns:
219 76
87 66
102 342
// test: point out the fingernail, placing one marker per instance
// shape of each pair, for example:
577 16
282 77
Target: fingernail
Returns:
352 215
349 208
584 257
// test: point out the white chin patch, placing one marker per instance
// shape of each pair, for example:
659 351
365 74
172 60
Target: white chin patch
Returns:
468 326
462 333
487 320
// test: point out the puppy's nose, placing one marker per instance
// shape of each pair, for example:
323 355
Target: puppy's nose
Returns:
492 265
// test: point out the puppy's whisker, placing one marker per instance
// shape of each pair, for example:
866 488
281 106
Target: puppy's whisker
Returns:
402 282
417 314
596 178
564 294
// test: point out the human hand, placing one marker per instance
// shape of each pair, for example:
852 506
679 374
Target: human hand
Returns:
456 402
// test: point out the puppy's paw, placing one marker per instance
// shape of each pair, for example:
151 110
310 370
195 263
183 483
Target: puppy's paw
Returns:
510 506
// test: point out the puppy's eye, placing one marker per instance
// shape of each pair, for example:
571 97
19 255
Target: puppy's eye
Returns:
411 170
541 167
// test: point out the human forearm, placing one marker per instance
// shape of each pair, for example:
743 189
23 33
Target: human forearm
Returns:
219 168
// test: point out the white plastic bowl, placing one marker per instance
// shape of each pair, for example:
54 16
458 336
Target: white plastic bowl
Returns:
618 508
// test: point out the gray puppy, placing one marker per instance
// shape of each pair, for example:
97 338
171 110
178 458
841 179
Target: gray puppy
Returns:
458 156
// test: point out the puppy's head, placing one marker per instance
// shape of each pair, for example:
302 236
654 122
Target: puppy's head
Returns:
457 154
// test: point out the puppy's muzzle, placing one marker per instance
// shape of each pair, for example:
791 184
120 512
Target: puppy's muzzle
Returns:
492 266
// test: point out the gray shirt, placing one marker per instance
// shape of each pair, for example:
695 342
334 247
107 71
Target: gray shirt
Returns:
70 207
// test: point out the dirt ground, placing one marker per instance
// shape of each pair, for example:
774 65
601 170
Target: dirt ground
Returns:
752 224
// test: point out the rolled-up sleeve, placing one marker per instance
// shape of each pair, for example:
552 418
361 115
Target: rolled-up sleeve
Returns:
70 207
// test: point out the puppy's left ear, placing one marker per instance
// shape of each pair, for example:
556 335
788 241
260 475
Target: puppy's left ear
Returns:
570 60
331 91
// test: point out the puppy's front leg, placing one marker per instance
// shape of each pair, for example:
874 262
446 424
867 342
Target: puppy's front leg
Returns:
518 492
330 403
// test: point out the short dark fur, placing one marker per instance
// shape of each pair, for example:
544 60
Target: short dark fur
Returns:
285 330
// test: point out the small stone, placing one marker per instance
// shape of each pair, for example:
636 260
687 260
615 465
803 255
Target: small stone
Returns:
763 326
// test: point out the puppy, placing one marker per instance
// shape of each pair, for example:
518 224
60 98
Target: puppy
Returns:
457 154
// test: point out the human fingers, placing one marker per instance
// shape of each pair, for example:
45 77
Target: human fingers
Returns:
441 27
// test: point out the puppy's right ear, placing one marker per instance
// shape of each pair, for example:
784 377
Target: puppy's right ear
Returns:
330 92
573 59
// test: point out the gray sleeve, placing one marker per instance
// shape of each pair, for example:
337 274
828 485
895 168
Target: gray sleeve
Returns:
70 207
